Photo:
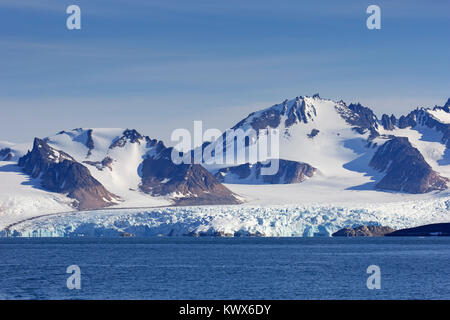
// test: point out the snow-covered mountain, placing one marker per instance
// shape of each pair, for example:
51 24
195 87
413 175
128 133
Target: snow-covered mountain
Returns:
59 172
330 154
95 168
344 142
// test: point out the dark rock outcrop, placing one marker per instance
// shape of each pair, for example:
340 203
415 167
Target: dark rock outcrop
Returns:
408 120
446 107
295 111
363 231
314 132
59 172
128 135
191 182
298 113
100 165
269 118
6 154
288 172
438 229
406 169
364 117
429 121
361 119
89 142
388 122
154 143
424 118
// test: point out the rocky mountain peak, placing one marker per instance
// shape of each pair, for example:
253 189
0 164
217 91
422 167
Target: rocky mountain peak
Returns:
131 136
447 106
43 151
388 122
360 118
59 172
191 183
405 167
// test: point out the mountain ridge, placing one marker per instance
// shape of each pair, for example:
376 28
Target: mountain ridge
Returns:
319 139
314 130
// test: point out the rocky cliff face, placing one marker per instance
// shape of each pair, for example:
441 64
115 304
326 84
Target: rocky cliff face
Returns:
6 154
59 172
100 165
363 117
364 231
189 183
388 122
422 117
289 172
437 229
131 136
425 119
406 169
294 111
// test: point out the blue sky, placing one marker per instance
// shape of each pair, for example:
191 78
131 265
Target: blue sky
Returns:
158 65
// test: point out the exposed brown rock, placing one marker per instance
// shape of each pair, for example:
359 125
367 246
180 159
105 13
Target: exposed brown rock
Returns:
406 169
193 183
59 172
363 231
288 172
100 165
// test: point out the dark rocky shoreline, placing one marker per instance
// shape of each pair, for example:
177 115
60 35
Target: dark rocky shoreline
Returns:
364 231
438 229
429 230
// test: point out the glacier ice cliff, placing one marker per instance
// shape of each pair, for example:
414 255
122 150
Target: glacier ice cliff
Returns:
242 220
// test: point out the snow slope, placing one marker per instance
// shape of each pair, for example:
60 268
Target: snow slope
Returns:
320 191
123 176
440 115
21 197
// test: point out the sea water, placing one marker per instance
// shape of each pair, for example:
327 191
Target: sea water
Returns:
225 268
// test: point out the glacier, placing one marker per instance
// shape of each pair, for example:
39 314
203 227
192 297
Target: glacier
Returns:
234 220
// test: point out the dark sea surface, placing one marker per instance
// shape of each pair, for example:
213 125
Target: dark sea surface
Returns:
225 268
